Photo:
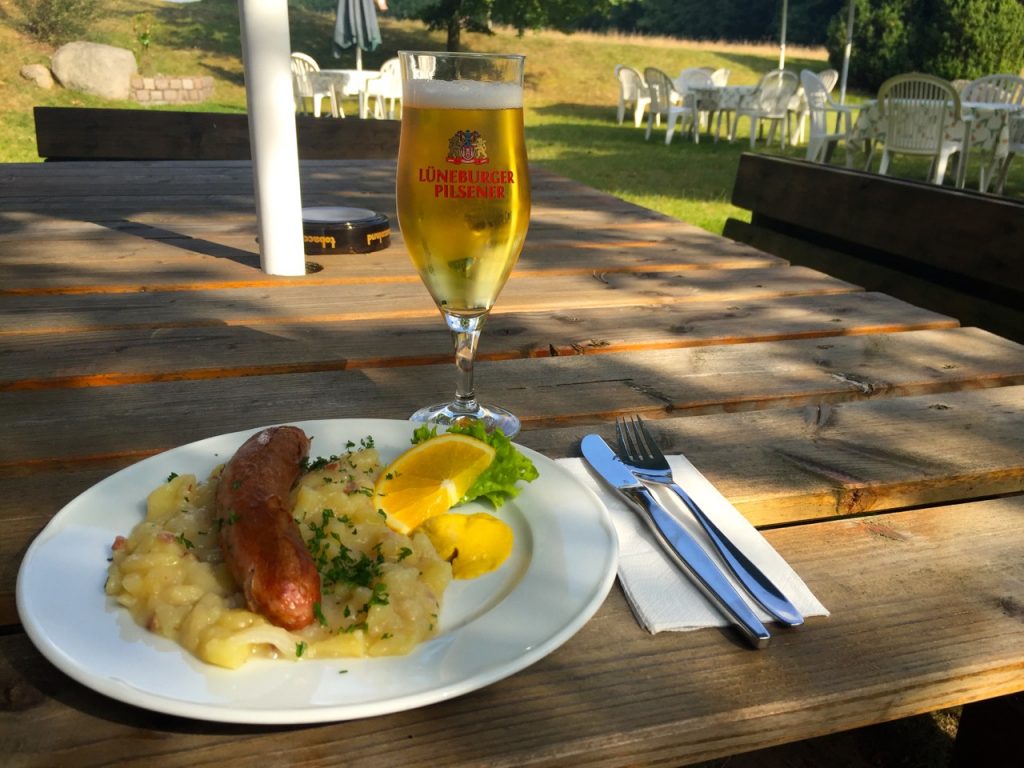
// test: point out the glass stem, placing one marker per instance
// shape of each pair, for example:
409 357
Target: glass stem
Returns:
466 335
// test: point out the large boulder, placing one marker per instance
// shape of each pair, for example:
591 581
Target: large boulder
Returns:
101 70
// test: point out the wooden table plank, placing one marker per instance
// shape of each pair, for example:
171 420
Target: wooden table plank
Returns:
234 214
577 389
106 357
125 287
25 185
325 300
218 190
786 465
908 593
169 260
153 226
777 466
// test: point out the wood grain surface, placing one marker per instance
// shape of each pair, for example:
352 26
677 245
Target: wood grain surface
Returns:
909 594
878 445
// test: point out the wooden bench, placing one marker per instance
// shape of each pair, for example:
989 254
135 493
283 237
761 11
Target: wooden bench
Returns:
74 133
947 250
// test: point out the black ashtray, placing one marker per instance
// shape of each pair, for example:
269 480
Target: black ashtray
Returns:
344 230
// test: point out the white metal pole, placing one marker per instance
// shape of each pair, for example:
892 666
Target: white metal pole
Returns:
846 53
782 40
266 54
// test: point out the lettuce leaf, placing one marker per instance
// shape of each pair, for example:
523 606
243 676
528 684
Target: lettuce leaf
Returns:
497 483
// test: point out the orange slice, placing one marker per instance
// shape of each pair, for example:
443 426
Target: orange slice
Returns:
429 479
473 544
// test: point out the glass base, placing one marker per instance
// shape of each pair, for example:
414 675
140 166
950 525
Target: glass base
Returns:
444 415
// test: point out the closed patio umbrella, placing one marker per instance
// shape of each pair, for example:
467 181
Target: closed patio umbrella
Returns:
357 25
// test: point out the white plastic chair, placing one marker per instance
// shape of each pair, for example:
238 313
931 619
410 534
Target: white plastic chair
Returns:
720 77
305 85
688 80
829 78
385 89
689 75
769 102
632 92
822 142
995 89
916 110
663 95
1016 147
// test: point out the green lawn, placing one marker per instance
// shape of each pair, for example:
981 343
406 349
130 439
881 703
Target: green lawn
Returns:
571 93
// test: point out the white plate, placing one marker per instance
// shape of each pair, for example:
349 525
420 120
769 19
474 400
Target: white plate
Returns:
561 568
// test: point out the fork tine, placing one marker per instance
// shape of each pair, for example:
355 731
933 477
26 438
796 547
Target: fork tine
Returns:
653 451
634 451
630 442
627 440
619 437
623 435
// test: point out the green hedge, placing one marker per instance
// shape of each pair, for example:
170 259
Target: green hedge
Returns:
954 39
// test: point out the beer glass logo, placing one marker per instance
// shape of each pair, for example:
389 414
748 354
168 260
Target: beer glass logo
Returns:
467 147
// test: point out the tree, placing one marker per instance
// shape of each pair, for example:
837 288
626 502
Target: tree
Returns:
971 38
882 41
454 16
721 19
954 39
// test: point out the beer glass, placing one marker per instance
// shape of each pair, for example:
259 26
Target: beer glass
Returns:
463 193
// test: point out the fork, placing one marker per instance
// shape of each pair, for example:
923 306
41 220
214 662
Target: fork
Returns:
643 456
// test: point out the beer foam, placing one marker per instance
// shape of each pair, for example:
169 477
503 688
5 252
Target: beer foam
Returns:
462 94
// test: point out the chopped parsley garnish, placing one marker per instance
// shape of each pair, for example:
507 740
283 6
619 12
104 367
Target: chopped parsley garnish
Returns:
345 567
300 648
318 463
171 476
380 594
185 542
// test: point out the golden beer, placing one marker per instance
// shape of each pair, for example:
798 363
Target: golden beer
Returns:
463 189
463 195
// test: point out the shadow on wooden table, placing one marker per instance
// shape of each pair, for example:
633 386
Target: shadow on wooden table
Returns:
925 741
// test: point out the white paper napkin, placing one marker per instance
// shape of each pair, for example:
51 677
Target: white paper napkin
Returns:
661 596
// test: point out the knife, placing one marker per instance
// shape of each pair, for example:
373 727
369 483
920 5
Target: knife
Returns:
676 541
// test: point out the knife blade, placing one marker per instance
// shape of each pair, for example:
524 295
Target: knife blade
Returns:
684 551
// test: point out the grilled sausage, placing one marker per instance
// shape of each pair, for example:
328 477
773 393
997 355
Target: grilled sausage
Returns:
261 542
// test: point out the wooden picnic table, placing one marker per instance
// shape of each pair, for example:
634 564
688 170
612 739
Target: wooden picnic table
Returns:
879 446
